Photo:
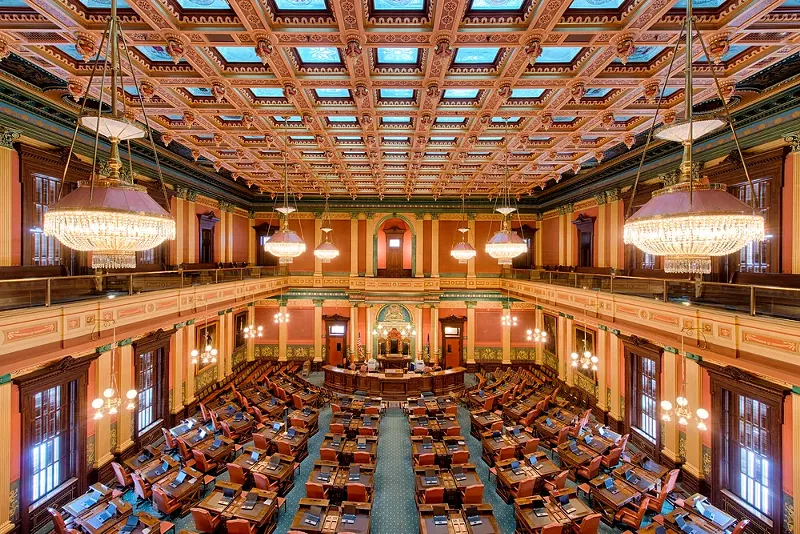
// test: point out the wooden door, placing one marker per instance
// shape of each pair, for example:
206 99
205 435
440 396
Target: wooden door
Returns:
335 350
452 329
335 338
452 351
394 252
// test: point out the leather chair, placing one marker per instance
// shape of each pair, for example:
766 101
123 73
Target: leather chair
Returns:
419 410
285 448
141 488
315 490
657 501
172 445
123 477
372 410
297 401
335 408
459 457
336 428
453 431
472 494
59 526
366 431
237 474
496 426
425 459
164 503
523 489
506 453
229 433
531 446
590 470
740 526
419 431
451 410
184 451
257 415
433 496
356 492
204 521
589 525
328 454
361 457
632 517
260 442
558 482
203 464
552 528
261 482
204 413
240 526
297 422
559 438
488 404
611 460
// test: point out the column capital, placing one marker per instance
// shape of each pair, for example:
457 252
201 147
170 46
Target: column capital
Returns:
600 198
794 142
318 302
251 214
181 191
226 206
435 216
8 136
471 304
191 195
612 195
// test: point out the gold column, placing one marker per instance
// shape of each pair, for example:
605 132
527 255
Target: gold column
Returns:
191 227
600 235
283 332
434 333
222 229
354 244
419 224
506 336
229 341
615 221
694 437
318 334
601 350
569 348
669 391
222 347
102 427
792 176
5 455
7 182
571 251
418 338
190 340
180 225
614 382
230 236
179 356
795 448
471 331
561 340
537 243
370 250
562 237
368 333
540 324
251 341
126 382
317 239
434 245
354 332
471 239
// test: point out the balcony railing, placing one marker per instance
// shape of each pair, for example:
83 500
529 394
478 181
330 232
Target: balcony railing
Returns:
752 300
31 292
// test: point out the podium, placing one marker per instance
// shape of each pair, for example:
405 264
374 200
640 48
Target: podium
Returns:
394 361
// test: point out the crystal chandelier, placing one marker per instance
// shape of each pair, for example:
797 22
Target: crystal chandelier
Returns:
681 411
208 354
326 251
505 245
285 244
463 251
110 402
281 317
110 216
690 222
536 334
508 320
250 331
585 360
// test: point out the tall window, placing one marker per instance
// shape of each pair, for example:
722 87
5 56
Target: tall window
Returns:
146 409
46 249
151 358
754 257
753 464
48 450
643 395
646 397
648 261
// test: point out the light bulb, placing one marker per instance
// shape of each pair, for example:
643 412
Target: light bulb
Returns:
208 348
682 401
413 332
214 352
112 411
98 415
666 418
544 334
108 393
194 353
260 329
702 413
214 359
595 359
701 426
131 394
574 356
586 354
130 406
575 364
97 404
529 332
666 405
682 421
594 367
194 361
585 365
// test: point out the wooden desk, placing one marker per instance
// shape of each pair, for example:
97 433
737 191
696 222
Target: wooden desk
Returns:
642 480
419 479
272 408
527 520
265 512
546 431
701 524
134 463
488 523
328 443
188 490
578 508
656 470
314 475
366 476
97 494
195 438
573 460
481 422
271 434
185 427
241 426
298 445
612 502
146 521
721 519
598 444
245 459
284 474
361 525
491 446
123 511
455 522
394 387
220 454
508 480
470 478
153 472
326 524
351 447
437 448
309 416
211 501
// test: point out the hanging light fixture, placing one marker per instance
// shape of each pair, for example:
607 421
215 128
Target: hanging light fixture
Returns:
505 245
690 222
463 251
536 334
281 317
681 411
508 320
585 360
207 354
285 244
110 216
252 331
326 251
110 402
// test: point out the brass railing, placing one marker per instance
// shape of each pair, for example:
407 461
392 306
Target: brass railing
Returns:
30 292
751 300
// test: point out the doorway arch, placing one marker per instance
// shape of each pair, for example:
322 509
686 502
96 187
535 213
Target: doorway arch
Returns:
386 222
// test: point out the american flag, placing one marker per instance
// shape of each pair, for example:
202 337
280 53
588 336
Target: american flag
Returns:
358 347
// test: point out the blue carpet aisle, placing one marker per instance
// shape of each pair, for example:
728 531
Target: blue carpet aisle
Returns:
393 509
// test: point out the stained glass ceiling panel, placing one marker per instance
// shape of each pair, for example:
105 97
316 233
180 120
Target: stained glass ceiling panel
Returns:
597 92
451 120
267 92
231 118
398 55
558 54
400 138
700 4
476 56
199 91
332 93
502 120
399 5
341 118
204 4
174 116
642 54
301 5
72 52
397 119
596 4
526 93
238 54
292 118
319 54
442 138
564 118
89 4
496 5
156 53
397 93
460 93
732 52
21 3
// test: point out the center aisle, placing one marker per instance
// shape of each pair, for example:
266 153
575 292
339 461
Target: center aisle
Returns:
394 510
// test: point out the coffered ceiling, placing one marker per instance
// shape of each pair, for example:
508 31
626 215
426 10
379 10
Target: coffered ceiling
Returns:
399 98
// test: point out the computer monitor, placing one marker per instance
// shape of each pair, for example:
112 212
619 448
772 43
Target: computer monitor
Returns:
254 456
516 431
276 427
180 477
228 492
514 465
292 432
217 444
587 438
609 483
563 499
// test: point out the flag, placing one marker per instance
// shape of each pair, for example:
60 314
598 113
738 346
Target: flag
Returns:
428 346
358 347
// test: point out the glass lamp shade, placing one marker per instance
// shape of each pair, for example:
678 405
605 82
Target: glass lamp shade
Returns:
112 127
666 405
285 244
114 222
131 394
505 245
678 131
463 252
326 251
97 404
702 413
688 234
